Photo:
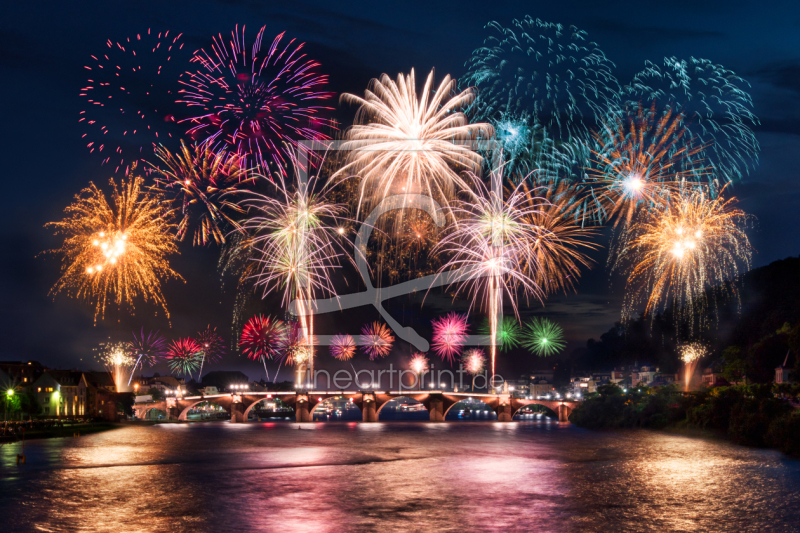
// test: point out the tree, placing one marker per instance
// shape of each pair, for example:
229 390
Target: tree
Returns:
155 394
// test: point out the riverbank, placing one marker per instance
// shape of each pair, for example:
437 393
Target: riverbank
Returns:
748 415
67 430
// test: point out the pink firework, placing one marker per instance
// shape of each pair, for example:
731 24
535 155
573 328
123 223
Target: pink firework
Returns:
343 347
131 87
449 336
376 340
260 100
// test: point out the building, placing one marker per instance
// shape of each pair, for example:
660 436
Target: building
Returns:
225 380
22 373
782 372
583 385
712 376
97 396
643 376
163 384
57 393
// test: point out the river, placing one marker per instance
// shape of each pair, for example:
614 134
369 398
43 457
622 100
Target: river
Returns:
397 476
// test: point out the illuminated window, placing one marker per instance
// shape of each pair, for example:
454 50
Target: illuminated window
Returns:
24 380
39 389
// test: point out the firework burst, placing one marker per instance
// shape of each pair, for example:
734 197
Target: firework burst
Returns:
690 355
294 243
506 334
184 356
493 248
639 160
376 340
116 252
449 336
343 347
419 364
201 180
402 143
261 339
117 359
258 100
212 344
675 255
716 111
540 74
474 362
558 251
543 337
148 349
131 86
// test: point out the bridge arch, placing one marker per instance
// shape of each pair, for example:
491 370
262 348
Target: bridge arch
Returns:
549 410
492 412
424 412
252 404
185 411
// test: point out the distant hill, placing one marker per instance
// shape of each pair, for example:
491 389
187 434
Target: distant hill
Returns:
768 298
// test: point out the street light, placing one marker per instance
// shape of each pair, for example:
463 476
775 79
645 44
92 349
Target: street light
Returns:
9 395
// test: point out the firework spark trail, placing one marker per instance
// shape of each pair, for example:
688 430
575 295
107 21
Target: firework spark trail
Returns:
474 362
419 364
690 355
675 255
148 349
260 101
343 347
543 337
131 86
639 161
212 344
716 110
449 336
545 84
402 143
116 251
376 340
184 356
261 339
202 181
295 244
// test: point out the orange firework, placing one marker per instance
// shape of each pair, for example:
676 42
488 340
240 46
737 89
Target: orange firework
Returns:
116 252
675 255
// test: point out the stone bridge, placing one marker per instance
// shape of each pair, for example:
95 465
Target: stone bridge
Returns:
438 403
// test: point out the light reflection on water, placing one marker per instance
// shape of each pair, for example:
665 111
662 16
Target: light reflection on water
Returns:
531 476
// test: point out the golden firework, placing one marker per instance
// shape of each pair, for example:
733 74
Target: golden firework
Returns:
675 254
558 249
116 252
402 143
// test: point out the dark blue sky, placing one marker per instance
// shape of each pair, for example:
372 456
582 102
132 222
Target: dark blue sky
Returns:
44 45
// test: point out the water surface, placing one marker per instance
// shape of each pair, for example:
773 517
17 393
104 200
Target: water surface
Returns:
397 476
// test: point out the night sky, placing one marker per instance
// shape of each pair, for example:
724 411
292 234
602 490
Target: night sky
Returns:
45 45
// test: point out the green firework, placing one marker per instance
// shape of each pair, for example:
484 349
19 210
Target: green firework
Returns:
543 337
